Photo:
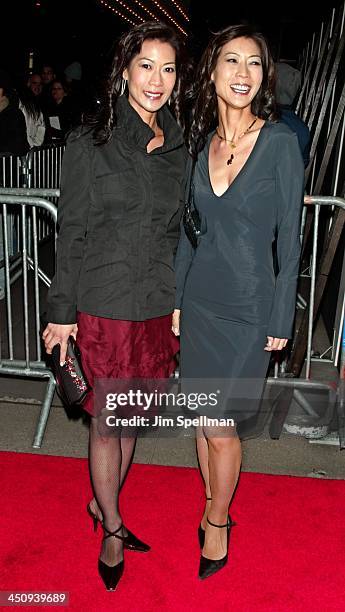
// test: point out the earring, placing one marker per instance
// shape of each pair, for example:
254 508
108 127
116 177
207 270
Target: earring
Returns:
169 101
123 86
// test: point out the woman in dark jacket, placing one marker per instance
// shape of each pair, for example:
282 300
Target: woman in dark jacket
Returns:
119 212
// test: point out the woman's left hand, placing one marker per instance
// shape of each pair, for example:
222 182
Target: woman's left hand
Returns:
275 344
175 324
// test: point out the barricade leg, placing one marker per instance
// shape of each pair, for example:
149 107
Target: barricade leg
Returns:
282 405
341 395
341 414
45 410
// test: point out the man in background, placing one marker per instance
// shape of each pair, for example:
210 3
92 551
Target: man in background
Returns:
287 87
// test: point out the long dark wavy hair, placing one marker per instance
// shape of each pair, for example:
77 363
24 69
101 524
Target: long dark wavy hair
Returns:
204 112
128 46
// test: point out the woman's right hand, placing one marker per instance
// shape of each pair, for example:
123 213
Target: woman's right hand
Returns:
175 325
55 333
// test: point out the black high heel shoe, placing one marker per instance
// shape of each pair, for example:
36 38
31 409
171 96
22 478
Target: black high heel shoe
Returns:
130 541
208 567
94 517
111 574
201 531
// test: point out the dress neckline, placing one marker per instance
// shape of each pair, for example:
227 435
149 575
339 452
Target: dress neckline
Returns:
242 170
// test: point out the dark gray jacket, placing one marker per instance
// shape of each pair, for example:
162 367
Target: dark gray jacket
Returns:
118 217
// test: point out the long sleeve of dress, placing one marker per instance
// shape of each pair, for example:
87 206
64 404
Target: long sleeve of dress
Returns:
174 227
185 251
73 209
289 192
183 261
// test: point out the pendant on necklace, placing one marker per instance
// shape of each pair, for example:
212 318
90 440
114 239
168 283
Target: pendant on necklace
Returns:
230 159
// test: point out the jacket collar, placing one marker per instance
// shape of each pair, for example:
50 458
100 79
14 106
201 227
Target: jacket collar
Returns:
139 134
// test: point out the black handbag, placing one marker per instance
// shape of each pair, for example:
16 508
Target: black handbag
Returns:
191 217
72 385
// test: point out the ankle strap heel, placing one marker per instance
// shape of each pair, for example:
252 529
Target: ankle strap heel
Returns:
219 526
111 574
208 567
229 523
114 534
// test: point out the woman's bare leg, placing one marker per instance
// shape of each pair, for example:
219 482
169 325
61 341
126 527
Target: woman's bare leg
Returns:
202 453
224 462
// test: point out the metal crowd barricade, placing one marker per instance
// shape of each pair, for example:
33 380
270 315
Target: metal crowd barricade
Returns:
43 171
43 167
31 201
294 387
40 168
341 392
321 104
20 349
336 202
12 169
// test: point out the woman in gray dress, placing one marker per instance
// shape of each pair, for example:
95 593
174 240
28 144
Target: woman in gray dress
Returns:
248 189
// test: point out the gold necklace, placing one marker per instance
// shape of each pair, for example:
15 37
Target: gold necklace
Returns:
233 144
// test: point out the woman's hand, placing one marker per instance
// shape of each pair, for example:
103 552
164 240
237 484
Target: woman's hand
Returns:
275 344
55 333
175 325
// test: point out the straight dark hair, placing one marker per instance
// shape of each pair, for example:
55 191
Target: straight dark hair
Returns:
204 111
128 46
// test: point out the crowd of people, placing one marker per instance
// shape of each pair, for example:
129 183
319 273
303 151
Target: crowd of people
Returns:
53 104
41 110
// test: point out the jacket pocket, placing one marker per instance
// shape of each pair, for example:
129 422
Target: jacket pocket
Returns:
113 191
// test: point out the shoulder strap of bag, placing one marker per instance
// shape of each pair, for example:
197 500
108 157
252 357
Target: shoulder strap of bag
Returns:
189 184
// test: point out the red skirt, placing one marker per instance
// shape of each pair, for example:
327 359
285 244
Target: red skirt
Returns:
112 348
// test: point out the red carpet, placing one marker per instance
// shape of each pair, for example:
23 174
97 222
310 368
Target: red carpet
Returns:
287 550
